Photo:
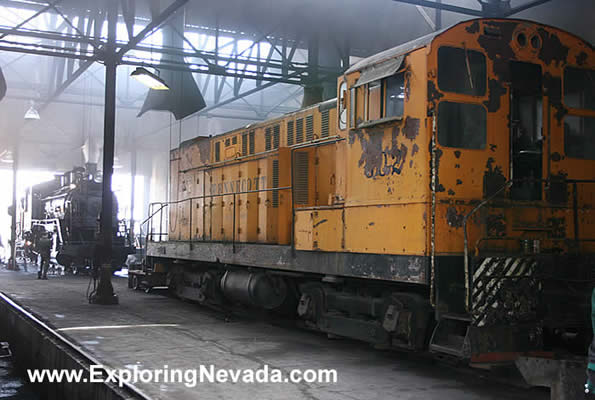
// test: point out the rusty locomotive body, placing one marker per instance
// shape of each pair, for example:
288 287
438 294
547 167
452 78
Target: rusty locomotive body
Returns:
443 201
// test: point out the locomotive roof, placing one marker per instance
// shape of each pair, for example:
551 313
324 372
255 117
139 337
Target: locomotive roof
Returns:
394 52
423 41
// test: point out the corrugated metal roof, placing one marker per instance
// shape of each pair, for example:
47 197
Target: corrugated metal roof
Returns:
393 52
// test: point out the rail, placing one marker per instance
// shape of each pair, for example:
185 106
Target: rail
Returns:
508 184
151 234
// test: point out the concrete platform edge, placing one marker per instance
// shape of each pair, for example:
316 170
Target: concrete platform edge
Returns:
36 345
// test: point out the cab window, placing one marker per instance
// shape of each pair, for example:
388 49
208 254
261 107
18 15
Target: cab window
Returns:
385 98
395 95
461 71
579 137
579 88
462 125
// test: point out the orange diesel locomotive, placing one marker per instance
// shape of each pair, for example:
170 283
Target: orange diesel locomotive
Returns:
443 201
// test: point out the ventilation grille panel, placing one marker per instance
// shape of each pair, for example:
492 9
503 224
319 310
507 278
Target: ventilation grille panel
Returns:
309 128
324 123
299 127
252 142
300 178
267 139
276 134
290 133
275 183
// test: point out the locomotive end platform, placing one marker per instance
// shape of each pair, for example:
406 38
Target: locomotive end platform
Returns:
152 330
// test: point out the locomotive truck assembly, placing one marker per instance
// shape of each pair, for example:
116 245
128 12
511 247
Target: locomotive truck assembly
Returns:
443 201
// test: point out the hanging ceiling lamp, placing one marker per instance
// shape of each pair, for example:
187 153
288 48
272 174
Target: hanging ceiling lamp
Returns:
149 79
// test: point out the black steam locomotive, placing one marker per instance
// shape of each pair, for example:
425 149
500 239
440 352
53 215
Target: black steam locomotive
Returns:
69 206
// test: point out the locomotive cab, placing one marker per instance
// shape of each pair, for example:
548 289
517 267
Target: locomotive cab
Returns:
506 110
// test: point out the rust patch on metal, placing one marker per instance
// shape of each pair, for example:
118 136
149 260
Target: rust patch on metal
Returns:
552 49
411 128
375 160
434 96
498 47
371 157
453 218
493 179
496 91
496 225
581 58
473 28
556 156
414 149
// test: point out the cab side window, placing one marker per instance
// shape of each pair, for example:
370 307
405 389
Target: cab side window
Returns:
385 98
461 71
462 125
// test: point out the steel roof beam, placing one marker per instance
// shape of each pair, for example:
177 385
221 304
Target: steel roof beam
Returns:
151 26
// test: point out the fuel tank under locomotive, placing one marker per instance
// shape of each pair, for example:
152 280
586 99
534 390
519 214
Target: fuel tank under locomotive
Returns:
379 315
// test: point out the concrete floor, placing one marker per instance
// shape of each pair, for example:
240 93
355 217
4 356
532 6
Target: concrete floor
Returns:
201 336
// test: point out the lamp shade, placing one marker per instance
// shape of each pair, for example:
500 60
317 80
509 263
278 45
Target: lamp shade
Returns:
149 79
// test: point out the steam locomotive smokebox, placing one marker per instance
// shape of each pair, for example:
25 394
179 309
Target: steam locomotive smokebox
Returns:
254 289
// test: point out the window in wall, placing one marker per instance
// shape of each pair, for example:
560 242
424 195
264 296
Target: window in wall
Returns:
234 140
579 88
352 109
461 71
579 137
462 125
342 109
374 100
227 142
395 95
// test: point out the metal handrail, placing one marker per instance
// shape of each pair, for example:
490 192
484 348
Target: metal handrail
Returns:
163 205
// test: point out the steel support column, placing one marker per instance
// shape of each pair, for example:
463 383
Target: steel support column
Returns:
105 291
12 263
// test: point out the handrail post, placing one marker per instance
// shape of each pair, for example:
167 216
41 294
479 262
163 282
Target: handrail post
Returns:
161 222
466 242
190 236
233 234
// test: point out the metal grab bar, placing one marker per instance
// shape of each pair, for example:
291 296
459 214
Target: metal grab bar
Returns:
506 185
163 205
